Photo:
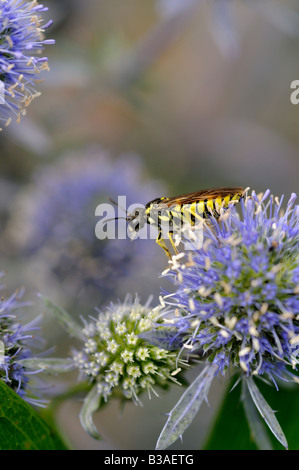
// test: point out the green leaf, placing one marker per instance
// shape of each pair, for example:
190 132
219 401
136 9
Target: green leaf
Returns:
21 427
187 407
230 430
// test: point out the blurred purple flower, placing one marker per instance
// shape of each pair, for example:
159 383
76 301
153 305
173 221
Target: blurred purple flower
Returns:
21 39
54 222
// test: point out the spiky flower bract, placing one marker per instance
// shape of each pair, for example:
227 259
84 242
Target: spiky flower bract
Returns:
237 295
53 226
21 40
18 344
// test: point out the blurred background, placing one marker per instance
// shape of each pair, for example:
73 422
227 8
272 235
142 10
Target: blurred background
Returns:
143 99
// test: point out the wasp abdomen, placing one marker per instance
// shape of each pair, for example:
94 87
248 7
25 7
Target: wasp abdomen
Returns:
191 208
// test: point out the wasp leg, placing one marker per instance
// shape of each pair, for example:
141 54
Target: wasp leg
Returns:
172 243
161 242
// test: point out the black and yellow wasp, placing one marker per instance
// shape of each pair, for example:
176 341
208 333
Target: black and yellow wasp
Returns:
192 208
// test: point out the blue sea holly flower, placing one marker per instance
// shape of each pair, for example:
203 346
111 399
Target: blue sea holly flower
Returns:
53 227
114 358
21 41
18 344
237 302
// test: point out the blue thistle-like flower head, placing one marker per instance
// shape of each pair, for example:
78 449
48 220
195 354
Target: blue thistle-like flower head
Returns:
238 294
54 224
237 304
21 40
17 344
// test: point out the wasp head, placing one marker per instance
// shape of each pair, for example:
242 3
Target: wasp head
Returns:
137 219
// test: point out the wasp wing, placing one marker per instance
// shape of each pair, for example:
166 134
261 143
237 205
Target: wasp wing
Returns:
205 194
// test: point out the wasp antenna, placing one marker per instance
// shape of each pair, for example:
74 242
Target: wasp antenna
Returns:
117 205
113 201
115 218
